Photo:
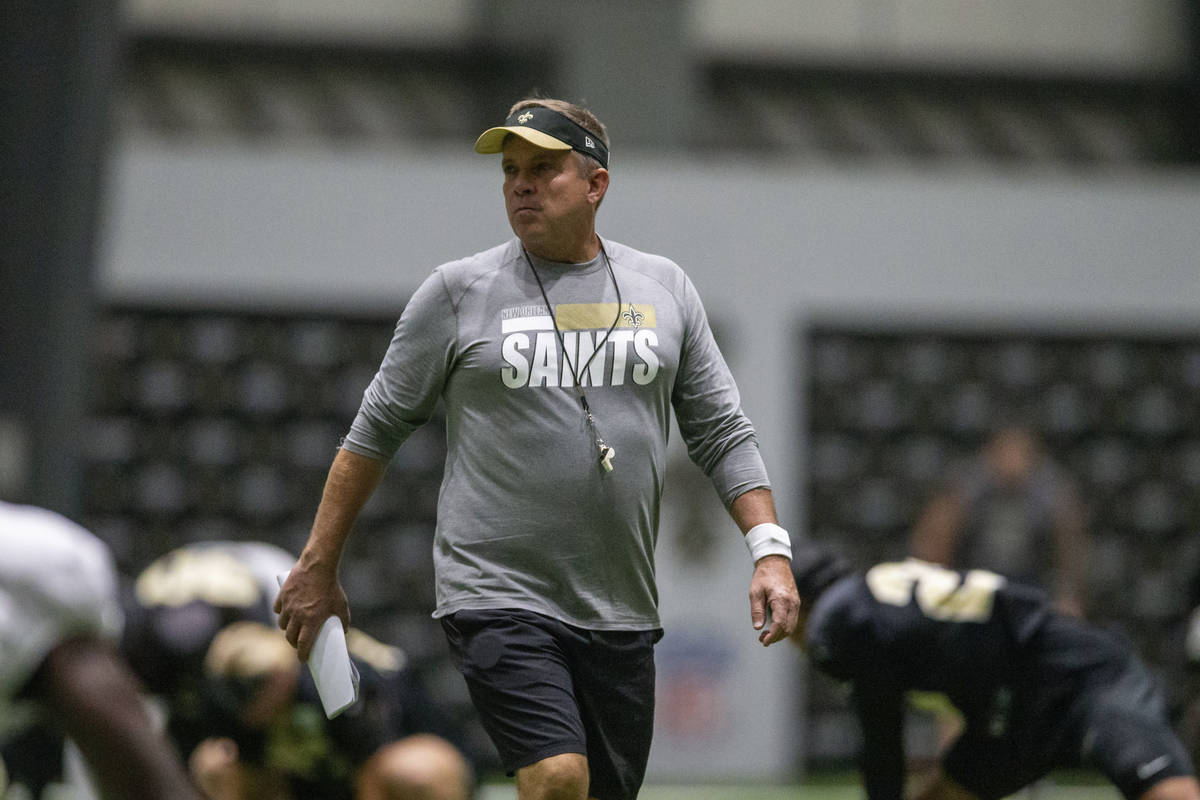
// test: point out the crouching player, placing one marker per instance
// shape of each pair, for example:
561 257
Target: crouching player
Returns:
268 737
1037 690
204 639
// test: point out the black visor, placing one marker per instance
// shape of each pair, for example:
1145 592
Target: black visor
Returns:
545 128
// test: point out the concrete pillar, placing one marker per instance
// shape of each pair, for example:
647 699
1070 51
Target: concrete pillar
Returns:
57 73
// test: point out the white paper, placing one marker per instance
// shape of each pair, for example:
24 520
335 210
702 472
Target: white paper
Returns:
332 669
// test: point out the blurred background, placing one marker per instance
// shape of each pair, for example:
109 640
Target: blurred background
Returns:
908 219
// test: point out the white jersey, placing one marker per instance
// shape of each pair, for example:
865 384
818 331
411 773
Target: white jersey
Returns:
57 580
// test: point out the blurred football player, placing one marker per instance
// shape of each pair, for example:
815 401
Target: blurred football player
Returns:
1011 508
272 739
60 616
177 604
1038 689
204 638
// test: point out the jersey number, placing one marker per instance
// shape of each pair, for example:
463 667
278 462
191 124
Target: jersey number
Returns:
940 593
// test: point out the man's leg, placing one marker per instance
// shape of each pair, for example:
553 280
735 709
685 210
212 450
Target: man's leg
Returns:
614 674
523 689
562 777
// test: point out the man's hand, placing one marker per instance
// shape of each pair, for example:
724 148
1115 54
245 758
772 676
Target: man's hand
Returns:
773 589
310 595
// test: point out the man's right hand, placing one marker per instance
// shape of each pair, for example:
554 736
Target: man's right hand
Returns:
310 595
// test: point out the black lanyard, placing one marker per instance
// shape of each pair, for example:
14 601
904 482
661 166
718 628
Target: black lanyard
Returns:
606 451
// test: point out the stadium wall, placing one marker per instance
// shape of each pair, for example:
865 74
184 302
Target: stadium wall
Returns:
771 246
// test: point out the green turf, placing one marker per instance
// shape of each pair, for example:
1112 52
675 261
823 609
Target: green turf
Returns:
822 789
836 784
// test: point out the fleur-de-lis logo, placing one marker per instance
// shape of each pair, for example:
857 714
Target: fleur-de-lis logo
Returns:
633 316
528 115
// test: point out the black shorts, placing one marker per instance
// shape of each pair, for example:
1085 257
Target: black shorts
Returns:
1109 716
543 688
1127 734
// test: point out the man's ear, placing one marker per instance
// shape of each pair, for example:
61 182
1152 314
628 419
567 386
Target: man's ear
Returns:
597 185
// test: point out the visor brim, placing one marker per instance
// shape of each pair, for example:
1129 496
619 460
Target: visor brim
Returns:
492 140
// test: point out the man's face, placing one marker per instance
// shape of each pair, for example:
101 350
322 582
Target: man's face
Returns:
550 200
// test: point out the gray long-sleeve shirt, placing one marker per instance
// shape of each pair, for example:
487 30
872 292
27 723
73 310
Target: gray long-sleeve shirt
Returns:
527 517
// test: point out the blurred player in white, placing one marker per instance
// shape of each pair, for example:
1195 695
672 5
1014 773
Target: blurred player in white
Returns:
59 620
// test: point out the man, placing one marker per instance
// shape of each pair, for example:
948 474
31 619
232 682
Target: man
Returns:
1010 509
1038 690
59 618
559 357
203 637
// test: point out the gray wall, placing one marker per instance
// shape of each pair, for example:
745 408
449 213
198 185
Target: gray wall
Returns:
770 245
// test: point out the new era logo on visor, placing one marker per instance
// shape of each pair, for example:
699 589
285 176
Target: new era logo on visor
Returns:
544 127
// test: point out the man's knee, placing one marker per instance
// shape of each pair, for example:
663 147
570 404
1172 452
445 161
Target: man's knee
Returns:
561 777
417 767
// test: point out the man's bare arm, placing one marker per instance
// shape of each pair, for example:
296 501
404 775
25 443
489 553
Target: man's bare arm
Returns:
312 592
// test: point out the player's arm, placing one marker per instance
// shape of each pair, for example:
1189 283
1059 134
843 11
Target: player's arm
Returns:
95 697
772 588
312 592
880 712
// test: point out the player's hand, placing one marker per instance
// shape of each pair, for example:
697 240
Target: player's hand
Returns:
309 596
773 590
213 766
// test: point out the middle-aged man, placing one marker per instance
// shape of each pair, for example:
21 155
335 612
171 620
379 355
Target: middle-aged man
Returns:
559 356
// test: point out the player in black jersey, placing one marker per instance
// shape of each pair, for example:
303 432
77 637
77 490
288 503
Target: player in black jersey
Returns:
203 638
1037 690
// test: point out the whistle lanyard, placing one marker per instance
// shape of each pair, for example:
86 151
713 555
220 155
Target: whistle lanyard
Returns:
606 451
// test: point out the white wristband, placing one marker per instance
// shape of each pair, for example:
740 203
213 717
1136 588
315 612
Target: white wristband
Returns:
768 539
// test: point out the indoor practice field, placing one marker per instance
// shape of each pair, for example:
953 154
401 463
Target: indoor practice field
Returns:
838 787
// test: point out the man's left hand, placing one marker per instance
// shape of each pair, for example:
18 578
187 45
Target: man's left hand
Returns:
773 590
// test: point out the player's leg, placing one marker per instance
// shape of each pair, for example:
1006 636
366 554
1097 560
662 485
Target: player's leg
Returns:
994 762
941 786
1127 735
417 767
522 687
